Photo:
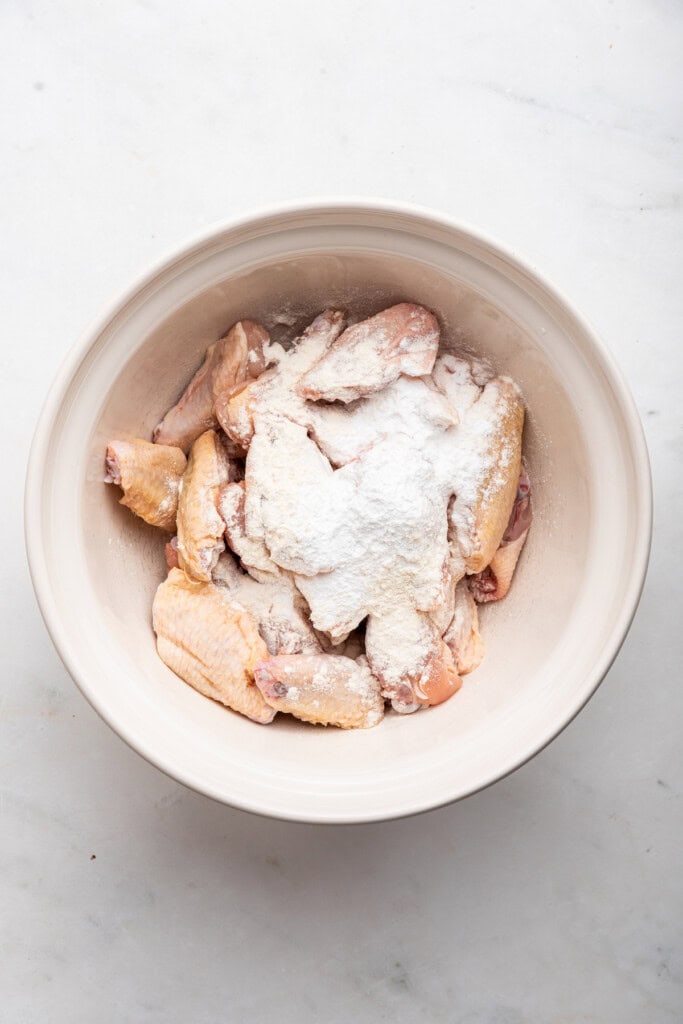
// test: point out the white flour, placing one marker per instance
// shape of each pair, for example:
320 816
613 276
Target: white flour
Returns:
344 432
400 340
276 392
371 538
276 605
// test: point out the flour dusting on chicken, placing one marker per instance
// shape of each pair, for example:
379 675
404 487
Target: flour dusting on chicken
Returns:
348 501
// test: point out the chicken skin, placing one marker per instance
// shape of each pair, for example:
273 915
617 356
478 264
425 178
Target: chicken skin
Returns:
491 432
366 357
412 662
200 526
462 635
493 583
235 358
275 392
325 689
211 642
149 476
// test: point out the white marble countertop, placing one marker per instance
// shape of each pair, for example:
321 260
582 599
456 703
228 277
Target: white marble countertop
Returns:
555 896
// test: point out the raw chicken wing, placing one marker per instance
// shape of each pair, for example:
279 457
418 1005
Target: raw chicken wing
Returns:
494 582
368 356
325 689
243 361
149 475
211 642
410 659
238 415
200 527
462 635
485 488
274 393
234 358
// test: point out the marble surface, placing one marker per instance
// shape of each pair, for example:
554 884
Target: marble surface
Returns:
556 895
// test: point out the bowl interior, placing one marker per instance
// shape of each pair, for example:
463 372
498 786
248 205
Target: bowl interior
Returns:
545 643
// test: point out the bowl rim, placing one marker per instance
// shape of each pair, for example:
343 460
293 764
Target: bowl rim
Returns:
332 205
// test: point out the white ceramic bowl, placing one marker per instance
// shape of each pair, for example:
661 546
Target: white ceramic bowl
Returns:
95 567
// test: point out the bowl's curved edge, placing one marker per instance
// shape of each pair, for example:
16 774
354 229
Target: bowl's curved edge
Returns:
362 205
